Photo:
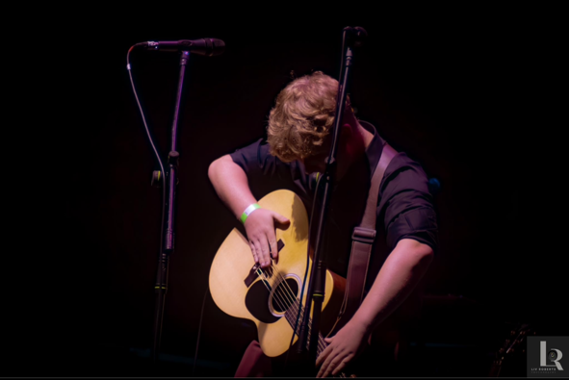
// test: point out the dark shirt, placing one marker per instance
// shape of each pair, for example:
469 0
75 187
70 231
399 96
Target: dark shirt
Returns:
405 205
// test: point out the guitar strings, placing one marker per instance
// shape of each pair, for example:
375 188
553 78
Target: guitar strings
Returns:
293 305
288 294
278 297
296 303
321 343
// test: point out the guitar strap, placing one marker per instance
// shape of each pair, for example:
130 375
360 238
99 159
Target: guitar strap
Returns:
363 238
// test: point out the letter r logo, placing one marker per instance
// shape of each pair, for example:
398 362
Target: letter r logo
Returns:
554 355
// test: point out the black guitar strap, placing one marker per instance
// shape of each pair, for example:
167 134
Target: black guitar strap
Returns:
363 238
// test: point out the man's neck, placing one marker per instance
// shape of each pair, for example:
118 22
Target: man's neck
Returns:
359 141
367 136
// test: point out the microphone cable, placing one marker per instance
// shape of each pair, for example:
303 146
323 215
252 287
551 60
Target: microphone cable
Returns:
154 149
160 163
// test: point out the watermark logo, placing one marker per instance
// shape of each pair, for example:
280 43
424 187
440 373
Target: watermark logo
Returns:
545 356
554 355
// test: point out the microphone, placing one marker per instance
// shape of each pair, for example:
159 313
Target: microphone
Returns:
203 46
355 35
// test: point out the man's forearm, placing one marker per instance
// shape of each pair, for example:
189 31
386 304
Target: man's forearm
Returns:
231 184
397 278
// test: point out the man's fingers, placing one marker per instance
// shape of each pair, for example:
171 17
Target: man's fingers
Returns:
281 222
272 244
254 252
274 250
333 365
262 250
323 355
339 367
261 229
325 368
259 252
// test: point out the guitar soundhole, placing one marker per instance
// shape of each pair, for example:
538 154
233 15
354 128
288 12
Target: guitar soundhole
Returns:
257 300
284 295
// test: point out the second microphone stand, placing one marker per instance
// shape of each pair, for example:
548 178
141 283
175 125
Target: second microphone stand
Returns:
169 181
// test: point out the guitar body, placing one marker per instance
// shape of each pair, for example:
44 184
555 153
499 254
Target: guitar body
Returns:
266 297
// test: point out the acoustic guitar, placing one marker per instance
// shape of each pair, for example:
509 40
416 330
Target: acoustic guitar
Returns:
270 297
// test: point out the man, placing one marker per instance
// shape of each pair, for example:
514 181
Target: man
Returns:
298 142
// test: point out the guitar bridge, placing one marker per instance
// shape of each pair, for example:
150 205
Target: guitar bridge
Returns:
253 272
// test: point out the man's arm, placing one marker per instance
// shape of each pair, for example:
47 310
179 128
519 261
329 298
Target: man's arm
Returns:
399 275
232 186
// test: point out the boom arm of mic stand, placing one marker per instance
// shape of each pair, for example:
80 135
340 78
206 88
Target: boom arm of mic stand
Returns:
170 181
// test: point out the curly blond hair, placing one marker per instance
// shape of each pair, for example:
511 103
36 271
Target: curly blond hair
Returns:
302 117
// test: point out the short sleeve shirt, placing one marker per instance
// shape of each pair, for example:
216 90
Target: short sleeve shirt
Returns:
404 210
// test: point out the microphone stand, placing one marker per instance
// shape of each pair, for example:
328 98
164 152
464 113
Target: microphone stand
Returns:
316 287
170 181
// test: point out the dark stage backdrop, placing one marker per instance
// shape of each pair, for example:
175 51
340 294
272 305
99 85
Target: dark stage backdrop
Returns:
451 87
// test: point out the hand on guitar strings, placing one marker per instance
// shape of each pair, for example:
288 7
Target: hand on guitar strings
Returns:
342 348
260 227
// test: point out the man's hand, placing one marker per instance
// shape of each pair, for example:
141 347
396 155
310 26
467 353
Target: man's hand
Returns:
397 278
348 343
260 227
231 184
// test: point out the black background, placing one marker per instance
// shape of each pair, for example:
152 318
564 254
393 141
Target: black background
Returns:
459 89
